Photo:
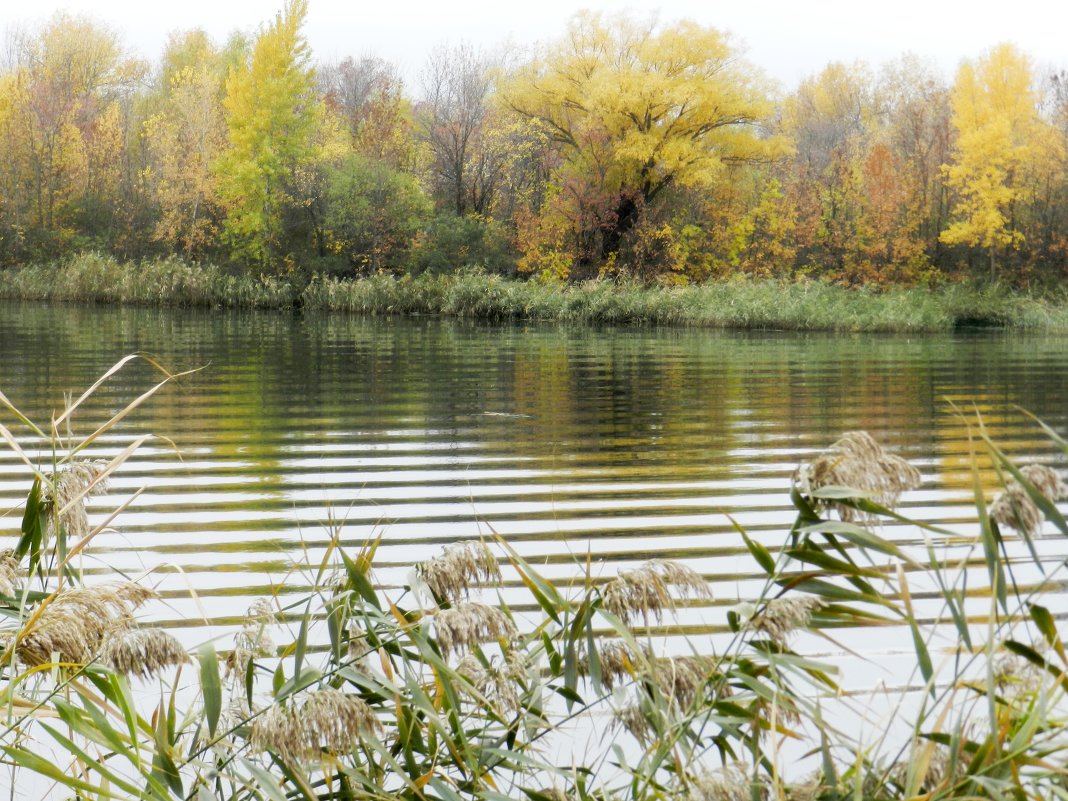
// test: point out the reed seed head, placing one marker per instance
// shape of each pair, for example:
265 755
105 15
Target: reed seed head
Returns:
808 789
254 639
142 652
782 617
1015 677
10 578
468 624
323 725
617 659
77 479
74 623
858 462
632 719
1015 509
497 682
645 591
554 794
460 567
729 783
680 678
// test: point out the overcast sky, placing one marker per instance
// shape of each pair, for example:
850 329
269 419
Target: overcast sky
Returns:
789 39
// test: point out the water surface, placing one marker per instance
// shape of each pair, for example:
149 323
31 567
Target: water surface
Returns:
576 445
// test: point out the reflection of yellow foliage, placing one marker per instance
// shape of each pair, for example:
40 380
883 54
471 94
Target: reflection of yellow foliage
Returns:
953 433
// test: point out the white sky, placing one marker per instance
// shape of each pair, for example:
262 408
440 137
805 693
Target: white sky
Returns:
788 39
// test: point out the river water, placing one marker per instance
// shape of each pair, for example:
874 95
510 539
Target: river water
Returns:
575 445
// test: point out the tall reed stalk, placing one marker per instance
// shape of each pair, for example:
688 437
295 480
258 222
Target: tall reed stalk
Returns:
440 690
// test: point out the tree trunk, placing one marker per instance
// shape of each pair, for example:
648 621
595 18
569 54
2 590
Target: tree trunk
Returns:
626 216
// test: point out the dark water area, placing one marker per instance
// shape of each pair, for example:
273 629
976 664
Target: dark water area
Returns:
576 445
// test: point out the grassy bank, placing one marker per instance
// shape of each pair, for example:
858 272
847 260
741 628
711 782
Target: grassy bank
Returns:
802 306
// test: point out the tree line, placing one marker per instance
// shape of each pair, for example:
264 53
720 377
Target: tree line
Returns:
622 149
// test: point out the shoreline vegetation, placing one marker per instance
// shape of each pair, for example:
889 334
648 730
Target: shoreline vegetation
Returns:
474 294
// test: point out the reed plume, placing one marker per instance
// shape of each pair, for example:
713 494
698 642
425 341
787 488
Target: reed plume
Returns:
451 575
254 639
325 723
10 578
617 660
729 783
73 623
69 487
858 462
1016 677
496 682
781 617
645 591
468 624
142 652
632 719
1014 508
680 678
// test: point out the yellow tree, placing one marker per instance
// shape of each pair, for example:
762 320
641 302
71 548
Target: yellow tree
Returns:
66 79
633 111
272 114
184 141
998 128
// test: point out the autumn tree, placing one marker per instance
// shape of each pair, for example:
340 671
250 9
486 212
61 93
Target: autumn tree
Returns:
455 112
184 139
999 134
271 112
914 101
368 94
634 111
65 123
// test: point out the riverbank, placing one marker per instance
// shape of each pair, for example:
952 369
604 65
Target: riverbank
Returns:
740 304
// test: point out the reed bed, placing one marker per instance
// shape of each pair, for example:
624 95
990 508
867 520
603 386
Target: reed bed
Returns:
741 304
437 691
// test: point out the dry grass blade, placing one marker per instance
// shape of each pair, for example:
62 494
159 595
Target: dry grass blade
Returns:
5 401
83 543
115 368
12 443
858 462
125 411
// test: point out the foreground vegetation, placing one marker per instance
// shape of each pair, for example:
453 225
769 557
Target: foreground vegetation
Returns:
438 691
472 293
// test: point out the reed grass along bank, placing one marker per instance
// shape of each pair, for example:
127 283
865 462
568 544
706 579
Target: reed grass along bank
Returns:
737 304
